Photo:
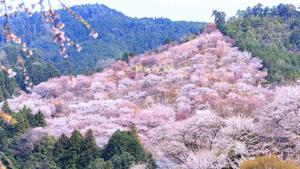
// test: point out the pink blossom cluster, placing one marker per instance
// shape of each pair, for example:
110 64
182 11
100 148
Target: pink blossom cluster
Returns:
210 141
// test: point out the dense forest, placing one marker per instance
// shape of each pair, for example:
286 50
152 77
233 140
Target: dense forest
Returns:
118 34
273 34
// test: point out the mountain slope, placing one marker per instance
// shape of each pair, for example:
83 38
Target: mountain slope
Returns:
205 90
118 34
207 64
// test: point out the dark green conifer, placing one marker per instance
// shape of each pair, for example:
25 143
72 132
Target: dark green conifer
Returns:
89 151
39 119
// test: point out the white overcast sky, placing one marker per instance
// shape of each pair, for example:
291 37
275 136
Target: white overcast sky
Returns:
190 10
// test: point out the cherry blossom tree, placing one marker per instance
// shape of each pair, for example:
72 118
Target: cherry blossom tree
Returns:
280 120
176 143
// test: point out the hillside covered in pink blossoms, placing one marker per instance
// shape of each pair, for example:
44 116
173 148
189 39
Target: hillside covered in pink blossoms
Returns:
200 103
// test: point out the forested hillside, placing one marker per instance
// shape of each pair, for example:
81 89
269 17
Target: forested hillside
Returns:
118 34
273 34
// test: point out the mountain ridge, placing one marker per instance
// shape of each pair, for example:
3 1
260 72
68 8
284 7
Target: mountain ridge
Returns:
118 34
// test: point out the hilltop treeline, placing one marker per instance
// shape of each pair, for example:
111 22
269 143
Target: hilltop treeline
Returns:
273 34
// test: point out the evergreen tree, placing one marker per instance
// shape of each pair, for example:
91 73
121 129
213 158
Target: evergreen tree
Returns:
76 142
22 123
126 56
61 151
220 20
39 119
27 113
122 141
89 150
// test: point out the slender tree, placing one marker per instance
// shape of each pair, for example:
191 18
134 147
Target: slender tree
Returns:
40 119
60 151
22 123
220 20
76 142
89 150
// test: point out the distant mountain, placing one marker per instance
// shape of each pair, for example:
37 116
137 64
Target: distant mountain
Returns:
118 34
